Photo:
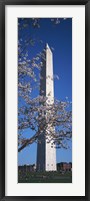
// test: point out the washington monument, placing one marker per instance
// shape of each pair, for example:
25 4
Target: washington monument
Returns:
46 152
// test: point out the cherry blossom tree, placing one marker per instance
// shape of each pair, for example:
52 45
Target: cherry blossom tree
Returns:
36 113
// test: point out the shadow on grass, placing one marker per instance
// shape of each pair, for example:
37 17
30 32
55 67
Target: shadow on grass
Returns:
44 177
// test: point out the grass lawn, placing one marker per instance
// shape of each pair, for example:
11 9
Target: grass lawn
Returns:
45 177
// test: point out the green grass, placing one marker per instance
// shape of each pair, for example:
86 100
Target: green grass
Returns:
44 177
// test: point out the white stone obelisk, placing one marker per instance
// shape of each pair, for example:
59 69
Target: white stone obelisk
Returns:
46 152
